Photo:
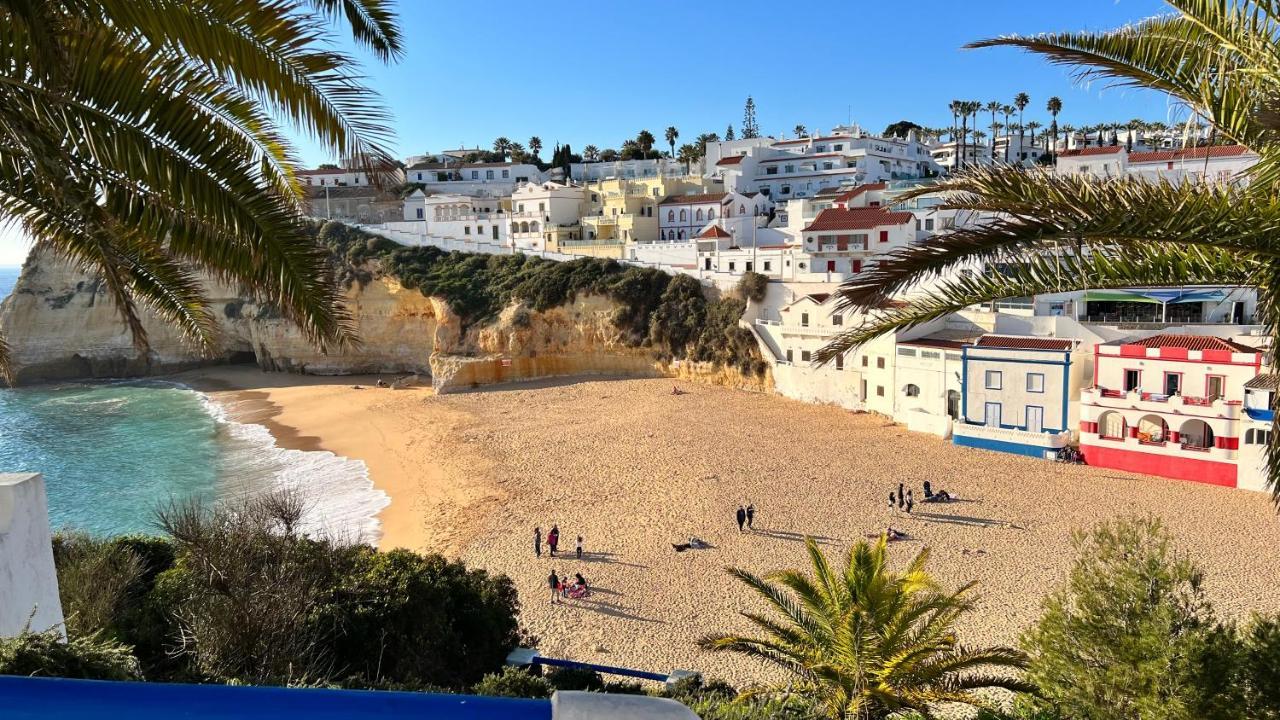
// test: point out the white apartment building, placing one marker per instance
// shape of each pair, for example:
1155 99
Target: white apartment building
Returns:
339 177
626 169
1215 163
684 217
843 240
492 180
1021 151
459 217
803 167
540 210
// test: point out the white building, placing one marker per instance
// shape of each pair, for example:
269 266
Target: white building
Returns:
684 217
1251 458
542 210
339 177
626 169
491 180
1215 163
843 240
457 217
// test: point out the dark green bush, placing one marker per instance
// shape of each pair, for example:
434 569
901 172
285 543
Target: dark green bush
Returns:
513 682
44 654
753 286
563 678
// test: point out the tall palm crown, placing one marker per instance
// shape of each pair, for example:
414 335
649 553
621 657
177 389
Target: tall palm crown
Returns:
671 135
591 153
1222 61
1021 101
141 140
502 146
645 141
535 145
865 641
1054 106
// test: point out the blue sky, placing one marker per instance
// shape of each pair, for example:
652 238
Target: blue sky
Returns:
597 73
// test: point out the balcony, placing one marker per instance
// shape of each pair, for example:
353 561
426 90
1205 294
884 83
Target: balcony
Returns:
1261 415
1161 404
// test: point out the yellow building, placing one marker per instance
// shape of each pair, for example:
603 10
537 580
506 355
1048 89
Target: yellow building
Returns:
625 210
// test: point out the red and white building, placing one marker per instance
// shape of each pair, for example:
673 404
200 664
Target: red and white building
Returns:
1168 405
682 218
843 240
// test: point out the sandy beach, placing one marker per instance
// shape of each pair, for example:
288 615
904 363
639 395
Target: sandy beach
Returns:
633 468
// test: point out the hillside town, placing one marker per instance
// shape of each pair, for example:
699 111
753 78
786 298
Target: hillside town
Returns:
1166 381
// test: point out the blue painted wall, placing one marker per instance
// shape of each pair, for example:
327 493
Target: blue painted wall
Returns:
1035 451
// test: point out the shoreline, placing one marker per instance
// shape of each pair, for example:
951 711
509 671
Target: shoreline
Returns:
384 429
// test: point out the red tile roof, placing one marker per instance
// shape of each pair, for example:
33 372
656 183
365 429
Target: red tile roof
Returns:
715 231
1024 342
1190 342
857 219
731 160
695 199
1081 152
1199 153
867 187
945 343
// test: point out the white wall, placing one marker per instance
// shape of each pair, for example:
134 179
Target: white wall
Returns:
28 580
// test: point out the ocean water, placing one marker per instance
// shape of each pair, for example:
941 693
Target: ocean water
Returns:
113 453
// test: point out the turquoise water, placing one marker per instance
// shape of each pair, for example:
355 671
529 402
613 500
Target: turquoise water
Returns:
112 453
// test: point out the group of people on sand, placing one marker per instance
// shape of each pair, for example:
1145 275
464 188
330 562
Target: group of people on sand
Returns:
562 589
553 542
746 517
904 499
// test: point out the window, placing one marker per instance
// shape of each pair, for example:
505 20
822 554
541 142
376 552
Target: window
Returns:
880 363
1213 386
884 236
790 168
994 379
879 391
911 391
742 209
542 207
506 174
711 214
475 174
906 352
837 320
768 265
804 355
837 147
804 319
785 190
466 230
788 355
1132 379
864 361
683 216
840 362
671 216
1035 382
1172 383
419 213
855 266
771 170
731 263
698 215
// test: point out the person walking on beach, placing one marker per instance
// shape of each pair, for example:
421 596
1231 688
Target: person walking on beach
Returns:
742 517
910 502
553 539
579 548
751 516
902 495
537 541
893 500
553 582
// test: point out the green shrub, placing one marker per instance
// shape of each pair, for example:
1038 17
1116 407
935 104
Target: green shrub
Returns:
564 678
513 682
94 580
1260 668
753 286
1131 634
90 657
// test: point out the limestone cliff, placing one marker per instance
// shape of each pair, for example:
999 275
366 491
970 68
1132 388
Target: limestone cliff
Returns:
61 325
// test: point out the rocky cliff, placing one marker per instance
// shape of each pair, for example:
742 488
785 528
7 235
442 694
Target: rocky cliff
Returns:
61 325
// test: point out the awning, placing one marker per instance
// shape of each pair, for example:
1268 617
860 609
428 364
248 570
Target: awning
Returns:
1168 297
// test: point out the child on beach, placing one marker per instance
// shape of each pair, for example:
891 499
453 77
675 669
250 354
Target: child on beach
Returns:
579 548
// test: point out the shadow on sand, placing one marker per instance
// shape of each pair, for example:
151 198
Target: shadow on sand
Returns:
611 609
968 520
607 558
791 536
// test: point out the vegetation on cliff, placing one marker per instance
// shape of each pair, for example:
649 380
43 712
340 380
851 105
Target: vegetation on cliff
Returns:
669 313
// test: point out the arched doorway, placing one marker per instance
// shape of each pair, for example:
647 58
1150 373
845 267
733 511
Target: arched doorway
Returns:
1111 425
1152 429
953 404
1196 435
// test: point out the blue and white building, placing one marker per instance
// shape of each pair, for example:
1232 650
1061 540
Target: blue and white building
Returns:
1016 393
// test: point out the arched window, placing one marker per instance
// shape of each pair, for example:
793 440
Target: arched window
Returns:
681 234
671 216
742 209
1196 434
711 214
911 390
524 227
533 226
1111 425
699 214
664 234
1153 429
683 216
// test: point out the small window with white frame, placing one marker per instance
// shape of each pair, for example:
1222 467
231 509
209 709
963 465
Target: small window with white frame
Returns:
1035 382
994 380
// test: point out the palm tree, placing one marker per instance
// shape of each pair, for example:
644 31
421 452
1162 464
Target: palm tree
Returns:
1007 111
535 145
591 153
502 146
1122 231
516 151
867 642
1021 101
645 141
143 142
672 134
1033 126
993 107
1054 106
801 131
955 108
1068 133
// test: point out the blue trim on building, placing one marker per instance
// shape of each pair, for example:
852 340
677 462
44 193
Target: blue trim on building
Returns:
1035 451
1064 362
27 698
